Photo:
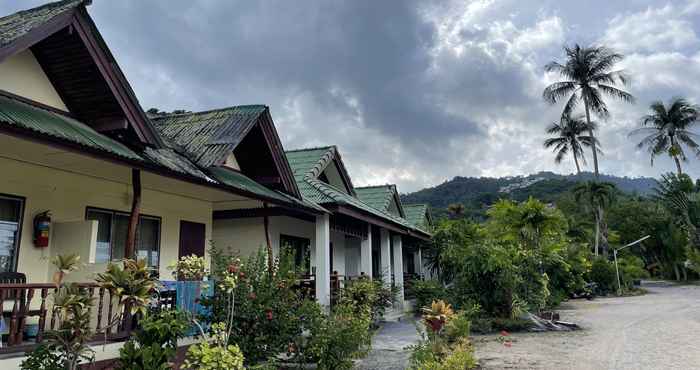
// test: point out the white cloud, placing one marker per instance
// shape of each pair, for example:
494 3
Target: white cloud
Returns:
653 30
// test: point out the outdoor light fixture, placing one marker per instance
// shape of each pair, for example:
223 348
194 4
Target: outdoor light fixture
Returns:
617 270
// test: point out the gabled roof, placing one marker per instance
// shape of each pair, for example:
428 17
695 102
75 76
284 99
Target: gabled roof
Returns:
380 197
80 66
209 137
41 124
418 215
310 163
20 24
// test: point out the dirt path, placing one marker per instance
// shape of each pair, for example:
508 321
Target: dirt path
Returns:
388 346
659 330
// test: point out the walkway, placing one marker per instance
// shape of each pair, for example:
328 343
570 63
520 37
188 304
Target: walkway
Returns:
658 330
388 346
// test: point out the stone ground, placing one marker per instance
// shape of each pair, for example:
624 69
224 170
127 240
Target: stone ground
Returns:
658 330
388 346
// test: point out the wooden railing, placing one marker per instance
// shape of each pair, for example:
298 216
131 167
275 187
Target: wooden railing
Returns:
19 303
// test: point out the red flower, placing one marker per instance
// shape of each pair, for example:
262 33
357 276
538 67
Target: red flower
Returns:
252 296
508 344
241 275
504 333
269 315
232 268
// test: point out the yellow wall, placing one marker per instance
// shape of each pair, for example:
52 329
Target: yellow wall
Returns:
22 75
67 194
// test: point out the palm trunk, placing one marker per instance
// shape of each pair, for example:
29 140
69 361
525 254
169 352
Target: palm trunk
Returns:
678 165
597 232
578 168
595 168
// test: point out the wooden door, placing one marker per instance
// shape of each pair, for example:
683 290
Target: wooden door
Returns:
192 239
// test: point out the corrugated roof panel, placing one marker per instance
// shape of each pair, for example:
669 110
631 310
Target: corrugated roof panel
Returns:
16 25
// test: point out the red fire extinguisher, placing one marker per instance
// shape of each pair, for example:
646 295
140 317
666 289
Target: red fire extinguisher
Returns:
42 229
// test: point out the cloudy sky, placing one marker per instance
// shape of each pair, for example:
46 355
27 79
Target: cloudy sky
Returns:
412 92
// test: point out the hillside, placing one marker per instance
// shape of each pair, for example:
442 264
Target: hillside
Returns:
478 193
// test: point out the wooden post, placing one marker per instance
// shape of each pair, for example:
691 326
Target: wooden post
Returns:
270 258
130 248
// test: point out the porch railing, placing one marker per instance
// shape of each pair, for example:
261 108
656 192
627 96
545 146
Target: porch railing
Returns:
28 312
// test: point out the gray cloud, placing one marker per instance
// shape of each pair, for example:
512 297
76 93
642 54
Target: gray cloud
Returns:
413 92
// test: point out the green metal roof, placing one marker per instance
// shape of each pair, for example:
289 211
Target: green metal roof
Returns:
306 165
16 25
308 162
416 215
208 137
242 182
42 121
379 196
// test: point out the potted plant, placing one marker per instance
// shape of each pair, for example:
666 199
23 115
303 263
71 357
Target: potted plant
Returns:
190 273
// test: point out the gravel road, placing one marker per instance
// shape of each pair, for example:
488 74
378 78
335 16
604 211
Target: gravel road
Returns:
659 330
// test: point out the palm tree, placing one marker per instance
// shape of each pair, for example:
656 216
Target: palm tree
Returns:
597 195
456 210
667 130
588 76
570 137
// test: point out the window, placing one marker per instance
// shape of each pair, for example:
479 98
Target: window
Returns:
301 249
11 212
112 228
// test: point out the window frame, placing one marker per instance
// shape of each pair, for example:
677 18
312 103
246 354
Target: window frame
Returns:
114 212
18 242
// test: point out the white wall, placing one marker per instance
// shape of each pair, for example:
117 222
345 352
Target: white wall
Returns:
22 75
67 194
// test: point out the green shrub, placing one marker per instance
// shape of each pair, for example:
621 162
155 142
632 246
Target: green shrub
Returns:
603 274
43 358
372 294
427 291
217 355
458 327
154 344
266 314
338 339
492 325
631 268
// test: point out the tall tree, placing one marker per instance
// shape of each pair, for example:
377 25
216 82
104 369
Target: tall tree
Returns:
597 195
589 74
456 210
667 130
570 135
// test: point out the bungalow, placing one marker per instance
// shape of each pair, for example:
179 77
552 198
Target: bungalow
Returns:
78 154
355 239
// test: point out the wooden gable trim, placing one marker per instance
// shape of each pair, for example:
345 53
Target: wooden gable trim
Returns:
37 34
83 24
397 199
262 212
337 161
280 158
362 216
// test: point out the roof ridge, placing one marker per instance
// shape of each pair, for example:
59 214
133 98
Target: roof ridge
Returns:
170 115
54 4
310 149
375 186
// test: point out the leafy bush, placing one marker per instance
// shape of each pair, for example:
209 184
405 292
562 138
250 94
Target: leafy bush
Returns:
427 291
603 274
217 355
154 344
492 325
631 268
43 358
371 293
191 268
445 344
268 315
344 336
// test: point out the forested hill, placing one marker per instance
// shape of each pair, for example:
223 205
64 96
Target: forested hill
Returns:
476 193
